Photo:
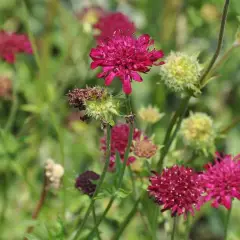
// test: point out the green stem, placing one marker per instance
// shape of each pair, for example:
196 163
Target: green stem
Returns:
127 220
219 45
168 137
133 181
227 223
222 59
33 42
230 126
91 234
99 185
95 222
14 107
174 228
127 151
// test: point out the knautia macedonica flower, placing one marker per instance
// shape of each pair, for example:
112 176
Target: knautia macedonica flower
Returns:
221 181
144 148
181 72
12 44
124 57
150 114
96 102
119 141
108 24
54 173
177 188
198 132
84 182
5 87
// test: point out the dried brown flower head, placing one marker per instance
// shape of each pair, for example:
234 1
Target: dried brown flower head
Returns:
145 148
5 87
77 96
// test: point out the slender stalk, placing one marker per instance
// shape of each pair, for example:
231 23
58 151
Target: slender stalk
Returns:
127 220
133 181
40 203
219 44
99 185
227 223
33 42
174 228
230 126
130 137
14 107
222 59
168 138
95 221
91 234
127 151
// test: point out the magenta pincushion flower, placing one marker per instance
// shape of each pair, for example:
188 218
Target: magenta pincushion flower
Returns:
125 57
108 24
221 181
12 44
119 141
177 188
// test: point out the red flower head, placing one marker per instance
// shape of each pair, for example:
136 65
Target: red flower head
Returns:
84 182
221 181
12 44
177 189
119 141
110 23
124 56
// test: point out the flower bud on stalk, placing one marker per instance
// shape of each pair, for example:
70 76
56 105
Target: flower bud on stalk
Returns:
181 72
198 132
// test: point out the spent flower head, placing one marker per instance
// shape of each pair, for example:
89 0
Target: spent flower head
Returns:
84 182
109 23
221 181
124 57
181 72
96 101
119 141
177 188
198 132
150 114
12 44
145 148
54 173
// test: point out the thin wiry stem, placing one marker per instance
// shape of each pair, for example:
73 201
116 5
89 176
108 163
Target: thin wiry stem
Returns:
219 44
99 185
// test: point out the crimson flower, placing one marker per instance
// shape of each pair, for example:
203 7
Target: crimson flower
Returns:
221 181
84 184
12 44
177 188
124 57
119 141
108 24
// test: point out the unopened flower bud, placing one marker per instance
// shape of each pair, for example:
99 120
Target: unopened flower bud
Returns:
198 132
150 114
181 72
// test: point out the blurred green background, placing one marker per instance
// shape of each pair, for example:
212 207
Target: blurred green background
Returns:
43 126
